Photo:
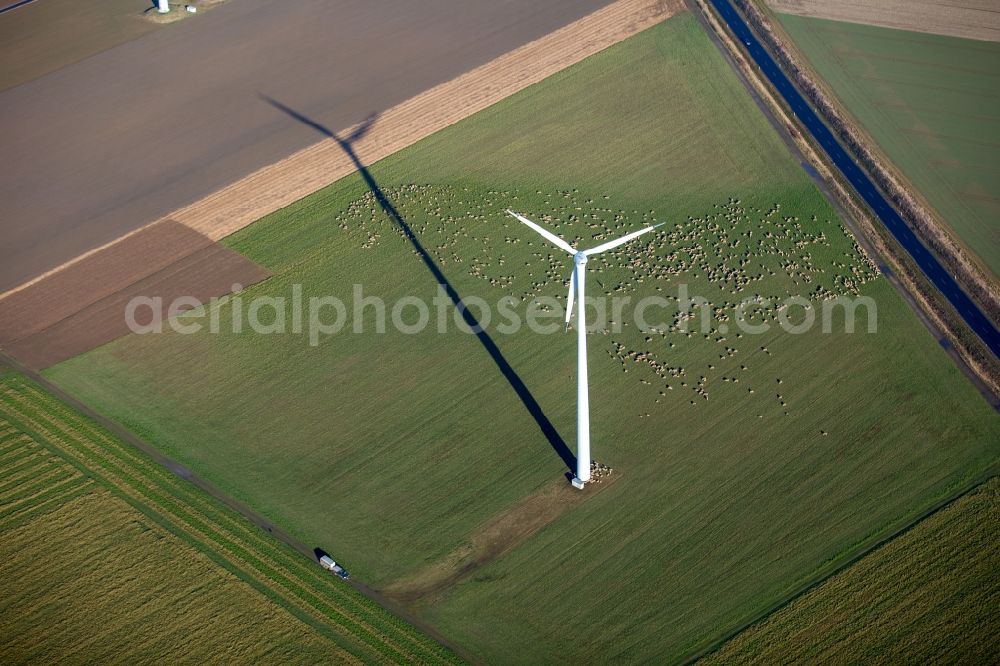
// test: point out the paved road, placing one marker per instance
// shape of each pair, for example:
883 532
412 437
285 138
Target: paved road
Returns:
857 177
106 145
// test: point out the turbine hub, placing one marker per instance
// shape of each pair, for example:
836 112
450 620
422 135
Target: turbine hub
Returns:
580 258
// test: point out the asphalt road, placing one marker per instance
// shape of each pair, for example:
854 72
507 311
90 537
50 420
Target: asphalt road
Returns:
108 144
859 180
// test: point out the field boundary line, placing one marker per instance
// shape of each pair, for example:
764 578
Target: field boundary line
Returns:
86 441
126 461
917 211
12 7
282 183
931 18
178 514
186 476
175 515
968 488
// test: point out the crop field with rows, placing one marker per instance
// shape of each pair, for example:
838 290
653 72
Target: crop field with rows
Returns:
104 550
930 595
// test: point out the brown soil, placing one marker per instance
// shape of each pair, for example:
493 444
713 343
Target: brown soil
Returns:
44 36
82 307
301 174
80 304
278 185
163 121
972 19
498 536
95 277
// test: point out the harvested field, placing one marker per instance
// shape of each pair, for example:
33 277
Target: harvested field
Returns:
282 183
80 308
971 19
106 555
41 37
748 463
929 596
167 120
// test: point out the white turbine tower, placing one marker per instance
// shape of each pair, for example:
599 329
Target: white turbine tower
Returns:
578 280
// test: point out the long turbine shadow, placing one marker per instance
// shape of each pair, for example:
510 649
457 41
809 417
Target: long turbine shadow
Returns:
347 145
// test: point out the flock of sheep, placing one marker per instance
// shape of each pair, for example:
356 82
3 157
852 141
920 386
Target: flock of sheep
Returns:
735 255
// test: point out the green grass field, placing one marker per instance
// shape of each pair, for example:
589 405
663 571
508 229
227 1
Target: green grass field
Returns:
744 465
931 103
107 556
929 596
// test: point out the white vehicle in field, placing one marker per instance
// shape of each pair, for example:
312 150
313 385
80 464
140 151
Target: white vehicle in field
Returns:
327 563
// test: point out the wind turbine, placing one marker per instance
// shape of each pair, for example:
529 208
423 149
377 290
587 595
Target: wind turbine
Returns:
578 280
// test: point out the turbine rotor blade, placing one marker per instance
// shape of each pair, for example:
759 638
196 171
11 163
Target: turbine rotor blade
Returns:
551 237
569 297
620 241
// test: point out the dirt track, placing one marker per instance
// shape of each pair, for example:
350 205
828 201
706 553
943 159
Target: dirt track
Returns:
497 536
973 19
279 184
